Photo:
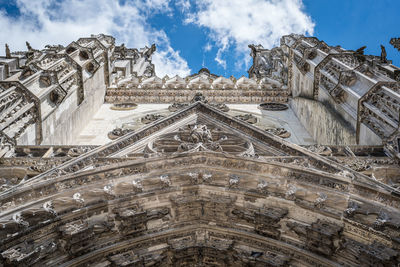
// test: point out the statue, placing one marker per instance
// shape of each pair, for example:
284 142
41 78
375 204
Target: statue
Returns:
383 54
123 51
360 50
359 53
149 51
28 45
8 53
200 133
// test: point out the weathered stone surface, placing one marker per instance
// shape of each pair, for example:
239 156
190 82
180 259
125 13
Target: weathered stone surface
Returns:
196 186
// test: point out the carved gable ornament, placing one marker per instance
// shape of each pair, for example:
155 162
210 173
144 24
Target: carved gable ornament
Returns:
200 128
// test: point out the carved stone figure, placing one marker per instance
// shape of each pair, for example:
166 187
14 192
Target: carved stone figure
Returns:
118 132
148 52
199 97
383 54
122 50
151 118
8 53
28 46
177 106
281 132
359 53
249 118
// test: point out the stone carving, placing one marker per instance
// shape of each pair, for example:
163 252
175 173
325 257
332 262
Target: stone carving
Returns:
17 218
383 54
149 118
348 78
7 183
281 132
359 53
267 63
319 202
220 106
78 236
133 220
320 236
291 192
266 220
8 53
78 198
26 254
204 198
311 53
165 180
200 133
200 177
234 180
28 46
395 42
262 185
148 52
384 218
28 71
177 106
55 48
198 137
249 118
321 150
301 64
199 97
118 132
374 254
137 184
49 207
108 189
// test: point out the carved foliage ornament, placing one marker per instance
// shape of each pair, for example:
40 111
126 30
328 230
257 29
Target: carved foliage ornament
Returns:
395 42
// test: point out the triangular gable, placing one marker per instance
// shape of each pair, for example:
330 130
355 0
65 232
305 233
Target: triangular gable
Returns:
273 146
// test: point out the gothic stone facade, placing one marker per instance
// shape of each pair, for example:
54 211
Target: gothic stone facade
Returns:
198 185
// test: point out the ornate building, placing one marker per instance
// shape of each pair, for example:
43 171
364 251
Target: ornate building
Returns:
102 163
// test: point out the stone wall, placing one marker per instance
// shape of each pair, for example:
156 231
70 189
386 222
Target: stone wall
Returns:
302 84
322 124
77 117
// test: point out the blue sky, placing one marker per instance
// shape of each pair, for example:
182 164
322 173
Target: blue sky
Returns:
191 34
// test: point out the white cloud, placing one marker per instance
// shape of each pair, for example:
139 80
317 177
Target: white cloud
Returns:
219 58
239 23
61 22
183 5
207 47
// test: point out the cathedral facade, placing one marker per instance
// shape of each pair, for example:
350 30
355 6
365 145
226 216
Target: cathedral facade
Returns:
103 163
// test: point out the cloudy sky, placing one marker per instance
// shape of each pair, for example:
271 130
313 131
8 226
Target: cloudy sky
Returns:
191 34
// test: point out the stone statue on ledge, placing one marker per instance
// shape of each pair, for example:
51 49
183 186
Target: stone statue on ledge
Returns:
8 53
383 54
